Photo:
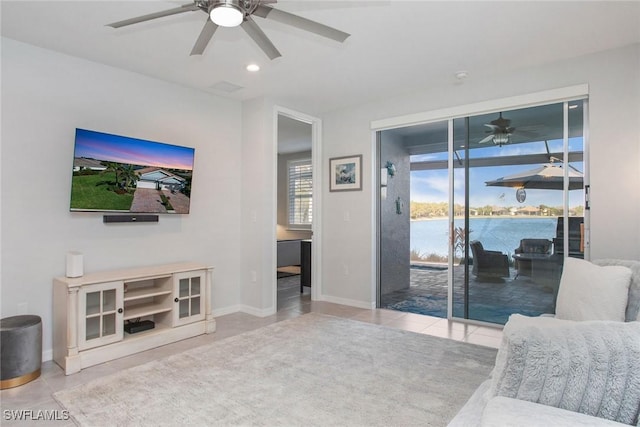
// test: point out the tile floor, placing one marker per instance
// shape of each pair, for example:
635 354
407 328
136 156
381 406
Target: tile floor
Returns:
37 395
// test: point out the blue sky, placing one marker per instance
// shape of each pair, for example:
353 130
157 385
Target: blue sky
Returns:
433 185
121 149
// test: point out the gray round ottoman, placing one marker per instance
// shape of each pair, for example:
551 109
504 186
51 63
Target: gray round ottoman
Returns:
20 350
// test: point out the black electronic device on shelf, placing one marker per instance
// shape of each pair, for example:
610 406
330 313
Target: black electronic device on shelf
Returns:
138 326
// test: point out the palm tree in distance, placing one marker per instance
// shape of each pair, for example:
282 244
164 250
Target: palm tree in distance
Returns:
112 167
459 239
128 177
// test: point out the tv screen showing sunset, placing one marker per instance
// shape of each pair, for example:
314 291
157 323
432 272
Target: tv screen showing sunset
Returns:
123 174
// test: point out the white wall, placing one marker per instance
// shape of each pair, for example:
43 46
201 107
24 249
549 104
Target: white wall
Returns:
614 82
45 96
258 234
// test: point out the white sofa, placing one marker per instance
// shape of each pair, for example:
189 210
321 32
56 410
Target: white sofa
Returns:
591 365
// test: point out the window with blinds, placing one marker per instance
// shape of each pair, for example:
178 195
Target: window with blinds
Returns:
300 193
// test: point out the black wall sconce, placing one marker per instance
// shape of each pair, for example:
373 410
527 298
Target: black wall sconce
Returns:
399 206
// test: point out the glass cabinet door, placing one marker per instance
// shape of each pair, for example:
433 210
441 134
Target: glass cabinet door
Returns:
101 314
189 297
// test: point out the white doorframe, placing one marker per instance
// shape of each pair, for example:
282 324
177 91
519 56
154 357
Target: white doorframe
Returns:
316 226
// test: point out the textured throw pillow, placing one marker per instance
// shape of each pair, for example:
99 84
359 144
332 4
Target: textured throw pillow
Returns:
633 304
591 292
590 367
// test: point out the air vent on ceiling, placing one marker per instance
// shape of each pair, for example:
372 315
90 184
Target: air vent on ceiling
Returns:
227 87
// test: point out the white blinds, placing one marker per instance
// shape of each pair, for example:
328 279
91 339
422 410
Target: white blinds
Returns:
300 192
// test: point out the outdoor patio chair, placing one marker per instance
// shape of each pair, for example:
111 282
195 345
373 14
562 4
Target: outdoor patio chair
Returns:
492 264
530 246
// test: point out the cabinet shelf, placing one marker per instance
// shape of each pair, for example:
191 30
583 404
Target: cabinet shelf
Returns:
145 310
150 277
134 294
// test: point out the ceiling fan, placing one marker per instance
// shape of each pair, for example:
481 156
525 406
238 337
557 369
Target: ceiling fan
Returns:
232 13
500 131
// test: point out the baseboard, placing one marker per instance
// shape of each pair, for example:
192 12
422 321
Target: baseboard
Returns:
352 303
241 308
226 310
259 312
264 312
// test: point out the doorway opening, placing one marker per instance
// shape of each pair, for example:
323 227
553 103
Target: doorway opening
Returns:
295 212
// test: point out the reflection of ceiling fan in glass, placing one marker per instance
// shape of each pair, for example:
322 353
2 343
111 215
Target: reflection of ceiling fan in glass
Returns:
231 13
500 131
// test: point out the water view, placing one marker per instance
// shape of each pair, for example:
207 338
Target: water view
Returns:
496 233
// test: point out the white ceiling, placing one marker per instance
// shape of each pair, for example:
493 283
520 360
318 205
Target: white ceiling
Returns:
395 47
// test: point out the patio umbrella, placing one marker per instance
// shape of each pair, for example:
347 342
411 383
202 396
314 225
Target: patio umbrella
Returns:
545 177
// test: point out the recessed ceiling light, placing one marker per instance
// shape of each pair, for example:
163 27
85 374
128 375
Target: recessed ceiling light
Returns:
461 75
573 106
253 67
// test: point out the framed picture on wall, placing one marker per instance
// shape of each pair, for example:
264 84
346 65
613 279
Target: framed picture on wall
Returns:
345 173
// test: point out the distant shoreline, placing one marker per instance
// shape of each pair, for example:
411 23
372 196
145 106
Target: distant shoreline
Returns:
487 216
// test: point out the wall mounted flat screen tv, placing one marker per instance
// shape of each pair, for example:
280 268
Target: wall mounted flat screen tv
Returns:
114 173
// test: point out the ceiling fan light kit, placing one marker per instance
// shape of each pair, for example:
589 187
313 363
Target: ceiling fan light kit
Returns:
226 13
500 138
233 13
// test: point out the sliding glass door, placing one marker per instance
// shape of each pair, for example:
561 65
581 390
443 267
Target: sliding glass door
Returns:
509 175
488 204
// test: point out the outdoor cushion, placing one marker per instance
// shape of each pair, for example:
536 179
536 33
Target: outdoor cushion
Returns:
534 246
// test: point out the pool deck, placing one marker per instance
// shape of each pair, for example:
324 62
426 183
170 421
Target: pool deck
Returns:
523 294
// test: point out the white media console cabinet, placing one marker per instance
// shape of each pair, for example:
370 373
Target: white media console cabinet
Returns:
91 313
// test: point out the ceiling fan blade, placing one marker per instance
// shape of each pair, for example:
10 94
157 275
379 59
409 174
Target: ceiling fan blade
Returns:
287 18
261 39
184 8
203 39
486 139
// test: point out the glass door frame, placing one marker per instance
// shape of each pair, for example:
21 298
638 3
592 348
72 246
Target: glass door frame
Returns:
565 95
565 194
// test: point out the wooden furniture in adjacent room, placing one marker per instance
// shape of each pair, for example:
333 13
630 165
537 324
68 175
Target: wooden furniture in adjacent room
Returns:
155 306
305 264
288 253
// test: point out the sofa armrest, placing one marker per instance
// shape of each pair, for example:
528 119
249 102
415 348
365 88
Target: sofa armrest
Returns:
469 415
494 257
504 411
